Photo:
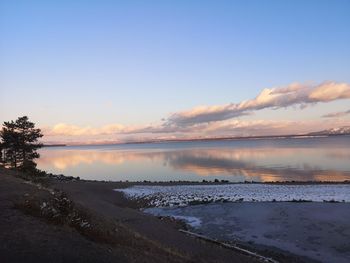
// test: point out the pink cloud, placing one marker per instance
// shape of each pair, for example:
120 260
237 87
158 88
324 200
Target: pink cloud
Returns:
293 94
336 114
219 120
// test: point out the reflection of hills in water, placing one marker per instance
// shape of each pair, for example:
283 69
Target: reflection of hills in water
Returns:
265 164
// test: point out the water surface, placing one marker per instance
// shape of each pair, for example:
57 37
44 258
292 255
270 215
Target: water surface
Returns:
319 231
302 159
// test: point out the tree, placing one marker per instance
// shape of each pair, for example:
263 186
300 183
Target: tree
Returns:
20 144
1 150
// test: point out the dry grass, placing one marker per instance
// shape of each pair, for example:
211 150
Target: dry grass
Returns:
54 207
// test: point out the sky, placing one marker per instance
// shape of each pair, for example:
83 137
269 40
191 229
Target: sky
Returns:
114 71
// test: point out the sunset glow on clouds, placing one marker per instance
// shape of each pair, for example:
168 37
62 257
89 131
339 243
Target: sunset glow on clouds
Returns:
293 95
221 120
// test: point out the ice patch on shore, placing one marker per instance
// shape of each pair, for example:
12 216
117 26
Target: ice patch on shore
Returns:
190 220
183 195
139 192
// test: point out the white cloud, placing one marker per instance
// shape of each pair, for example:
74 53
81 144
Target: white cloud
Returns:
293 94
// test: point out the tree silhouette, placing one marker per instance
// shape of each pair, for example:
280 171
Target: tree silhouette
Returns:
19 144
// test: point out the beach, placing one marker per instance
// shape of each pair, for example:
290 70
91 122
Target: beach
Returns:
112 227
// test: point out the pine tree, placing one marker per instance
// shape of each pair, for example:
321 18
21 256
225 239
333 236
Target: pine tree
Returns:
20 143
1 153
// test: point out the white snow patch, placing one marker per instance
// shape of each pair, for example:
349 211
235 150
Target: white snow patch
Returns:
136 191
183 195
194 222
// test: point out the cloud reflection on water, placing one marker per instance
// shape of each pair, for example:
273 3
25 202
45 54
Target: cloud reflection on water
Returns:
259 164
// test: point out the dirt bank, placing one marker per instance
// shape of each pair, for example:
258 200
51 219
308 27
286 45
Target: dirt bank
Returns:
79 221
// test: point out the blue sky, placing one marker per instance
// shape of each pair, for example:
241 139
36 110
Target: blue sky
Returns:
97 63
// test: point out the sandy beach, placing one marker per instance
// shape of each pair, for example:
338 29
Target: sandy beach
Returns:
112 228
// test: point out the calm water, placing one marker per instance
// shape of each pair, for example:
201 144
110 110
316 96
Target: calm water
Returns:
326 159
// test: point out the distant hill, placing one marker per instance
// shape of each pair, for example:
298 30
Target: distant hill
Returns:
334 131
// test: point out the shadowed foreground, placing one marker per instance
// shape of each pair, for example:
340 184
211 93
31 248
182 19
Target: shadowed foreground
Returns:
42 225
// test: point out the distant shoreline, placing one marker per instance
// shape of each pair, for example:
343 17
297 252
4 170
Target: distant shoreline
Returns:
288 136
240 138
54 145
213 182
